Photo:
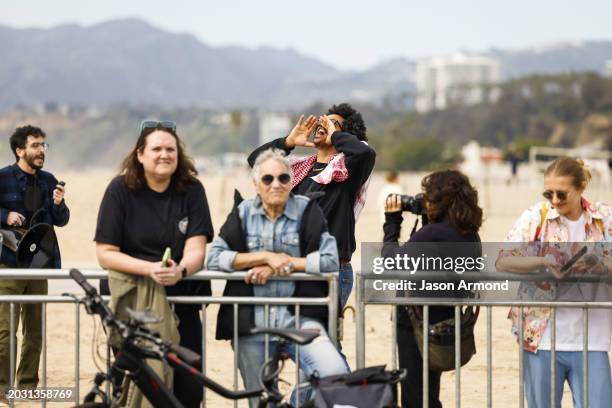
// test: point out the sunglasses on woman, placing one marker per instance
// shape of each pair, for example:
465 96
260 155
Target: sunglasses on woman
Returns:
561 195
155 124
282 178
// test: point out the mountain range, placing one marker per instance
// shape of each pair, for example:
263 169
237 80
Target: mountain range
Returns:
131 61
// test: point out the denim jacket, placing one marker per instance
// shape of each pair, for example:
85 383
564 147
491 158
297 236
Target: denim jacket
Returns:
280 235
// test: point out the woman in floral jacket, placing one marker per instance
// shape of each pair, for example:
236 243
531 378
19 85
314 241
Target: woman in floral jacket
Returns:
564 221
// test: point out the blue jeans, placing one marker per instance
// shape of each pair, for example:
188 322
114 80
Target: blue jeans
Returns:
320 356
568 365
346 283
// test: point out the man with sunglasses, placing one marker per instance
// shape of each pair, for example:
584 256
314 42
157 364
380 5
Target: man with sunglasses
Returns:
340 168
28 195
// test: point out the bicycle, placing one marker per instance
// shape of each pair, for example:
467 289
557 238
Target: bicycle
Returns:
139 343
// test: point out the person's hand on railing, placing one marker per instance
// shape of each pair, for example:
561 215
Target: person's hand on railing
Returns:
549 264
591 263
259 275
166 275
278 261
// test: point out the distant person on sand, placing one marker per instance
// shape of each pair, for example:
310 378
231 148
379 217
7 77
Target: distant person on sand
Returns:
28 195
391 186
514 161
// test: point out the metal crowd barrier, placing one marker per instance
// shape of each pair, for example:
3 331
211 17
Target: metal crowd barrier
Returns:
361 302
331 301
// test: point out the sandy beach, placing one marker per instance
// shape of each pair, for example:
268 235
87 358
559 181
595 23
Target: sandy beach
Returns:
502 206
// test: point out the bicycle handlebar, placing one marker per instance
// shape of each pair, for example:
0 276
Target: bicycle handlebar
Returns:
80 279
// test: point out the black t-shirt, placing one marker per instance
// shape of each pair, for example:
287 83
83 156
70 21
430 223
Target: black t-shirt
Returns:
32 198
337 205
143 223
316 169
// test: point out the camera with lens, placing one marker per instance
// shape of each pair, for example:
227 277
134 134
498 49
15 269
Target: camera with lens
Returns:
414 204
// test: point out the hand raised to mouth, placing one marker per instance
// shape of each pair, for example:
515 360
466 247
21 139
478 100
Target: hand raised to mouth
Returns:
328 126
300 132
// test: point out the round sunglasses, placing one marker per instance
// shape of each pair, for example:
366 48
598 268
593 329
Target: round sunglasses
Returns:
283 178
561 195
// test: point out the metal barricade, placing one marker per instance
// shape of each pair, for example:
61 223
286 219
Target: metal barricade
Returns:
331 301
426 303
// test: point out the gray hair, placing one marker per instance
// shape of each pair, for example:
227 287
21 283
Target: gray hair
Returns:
270 154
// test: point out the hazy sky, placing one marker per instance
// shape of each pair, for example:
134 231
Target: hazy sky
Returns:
347 34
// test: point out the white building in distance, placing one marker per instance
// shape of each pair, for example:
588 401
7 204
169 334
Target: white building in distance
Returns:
609 68
273 125
456 79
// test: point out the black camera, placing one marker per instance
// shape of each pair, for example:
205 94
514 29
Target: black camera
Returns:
414 204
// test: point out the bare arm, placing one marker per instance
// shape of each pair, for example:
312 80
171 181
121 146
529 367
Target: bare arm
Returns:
528 264
194 253
110 257
607 264
277 261
246 260
259 275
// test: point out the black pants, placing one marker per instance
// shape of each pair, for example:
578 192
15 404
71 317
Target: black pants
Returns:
410 358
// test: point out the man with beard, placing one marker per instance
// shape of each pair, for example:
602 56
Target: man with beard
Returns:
27 193
340 169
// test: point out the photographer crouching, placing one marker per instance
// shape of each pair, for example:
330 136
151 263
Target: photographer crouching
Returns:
450 212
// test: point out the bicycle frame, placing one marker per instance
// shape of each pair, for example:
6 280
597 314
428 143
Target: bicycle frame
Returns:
131 359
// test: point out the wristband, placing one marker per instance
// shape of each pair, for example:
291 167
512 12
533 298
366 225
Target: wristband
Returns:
183 271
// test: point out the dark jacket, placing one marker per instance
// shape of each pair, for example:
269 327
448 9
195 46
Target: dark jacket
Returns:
447 241
312 226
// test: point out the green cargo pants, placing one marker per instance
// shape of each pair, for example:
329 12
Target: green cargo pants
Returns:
142 293
31 318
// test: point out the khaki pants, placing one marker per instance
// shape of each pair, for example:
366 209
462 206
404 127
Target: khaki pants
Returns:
142 293
31 318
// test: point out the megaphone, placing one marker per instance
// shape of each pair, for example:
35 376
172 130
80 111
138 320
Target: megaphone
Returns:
36 247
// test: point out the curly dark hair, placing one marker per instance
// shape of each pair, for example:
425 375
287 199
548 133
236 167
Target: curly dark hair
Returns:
452 197
133 172
20 136
353 122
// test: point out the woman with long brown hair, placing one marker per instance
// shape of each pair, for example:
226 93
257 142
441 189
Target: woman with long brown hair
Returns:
155 203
